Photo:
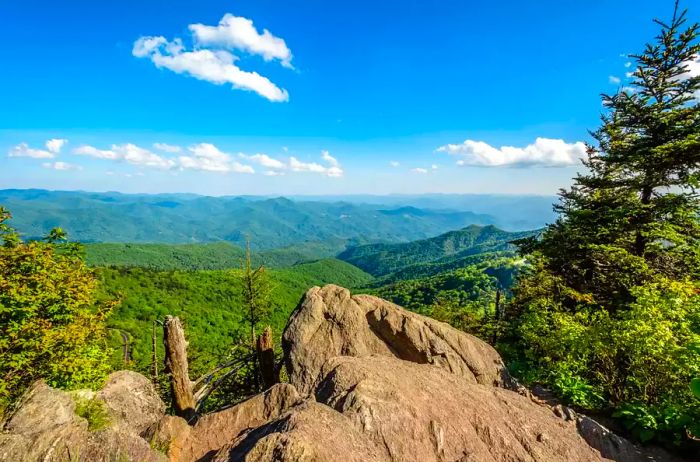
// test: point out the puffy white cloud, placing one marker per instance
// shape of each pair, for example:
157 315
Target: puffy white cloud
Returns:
55 144
61 166
210 60
265 161
94 152
167 147
332 170
129 153
23 150
216 66
395 164
206 156
419 170
236 32
53 148
544 152
273 173
614 79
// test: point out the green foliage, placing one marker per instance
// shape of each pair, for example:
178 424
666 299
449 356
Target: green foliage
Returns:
210 304
256 292
49 325
695 387
609 311
438 252
205 256
94 411
188 257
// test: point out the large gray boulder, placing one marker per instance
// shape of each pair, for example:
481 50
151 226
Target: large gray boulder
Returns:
331 322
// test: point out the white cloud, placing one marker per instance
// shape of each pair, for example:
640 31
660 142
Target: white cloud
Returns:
273 173
61 166
614 79
395 164
333 170
325 155
94 152
628 64
265 161
212 66
129 153
167 147
210 60
434 167
206 156
544 152
53 148
419 170
55 144
236 32
23 150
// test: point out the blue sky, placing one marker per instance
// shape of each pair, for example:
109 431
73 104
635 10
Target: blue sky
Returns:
312 97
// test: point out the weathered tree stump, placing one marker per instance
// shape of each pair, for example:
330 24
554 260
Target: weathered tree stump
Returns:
176 366
266 358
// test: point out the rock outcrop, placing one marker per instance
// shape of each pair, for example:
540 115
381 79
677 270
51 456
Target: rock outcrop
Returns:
330 322
45 426
216 430
369 381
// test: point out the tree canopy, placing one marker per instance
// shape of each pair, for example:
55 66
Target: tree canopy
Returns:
609 312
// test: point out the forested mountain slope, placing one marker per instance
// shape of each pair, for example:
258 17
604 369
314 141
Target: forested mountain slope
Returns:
441 251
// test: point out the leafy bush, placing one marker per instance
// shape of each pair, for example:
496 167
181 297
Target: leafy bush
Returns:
93 410
49 325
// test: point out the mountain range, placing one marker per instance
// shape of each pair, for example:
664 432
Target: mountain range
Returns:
269 223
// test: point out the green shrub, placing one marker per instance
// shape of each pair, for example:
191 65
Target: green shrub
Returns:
94 411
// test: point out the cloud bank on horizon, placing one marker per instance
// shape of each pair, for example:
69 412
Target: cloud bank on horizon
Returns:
201 156
211 57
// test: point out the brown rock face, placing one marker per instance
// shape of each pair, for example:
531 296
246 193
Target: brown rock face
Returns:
330 322
46 428
383 409
310 432
216 430
419 412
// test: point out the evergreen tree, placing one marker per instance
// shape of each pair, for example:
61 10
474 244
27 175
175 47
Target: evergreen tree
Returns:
609 312
256 294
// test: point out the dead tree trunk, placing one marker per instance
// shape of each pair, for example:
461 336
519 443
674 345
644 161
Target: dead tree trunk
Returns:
176 366
154 358
266 358
497 315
